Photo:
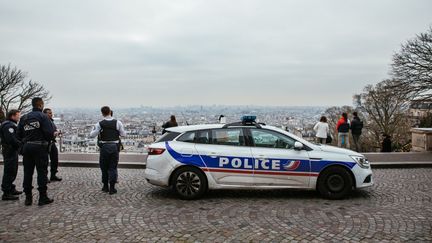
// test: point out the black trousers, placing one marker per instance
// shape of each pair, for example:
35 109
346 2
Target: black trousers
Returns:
108 161
10 169
35 156
54 159
356 140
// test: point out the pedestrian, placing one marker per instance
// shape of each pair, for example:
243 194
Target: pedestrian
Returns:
356 130
222 119
110 131
53 155
386 144
10 146
321 130
171 123
343 127
35 131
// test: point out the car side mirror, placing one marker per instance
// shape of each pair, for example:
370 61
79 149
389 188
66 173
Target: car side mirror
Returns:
298 146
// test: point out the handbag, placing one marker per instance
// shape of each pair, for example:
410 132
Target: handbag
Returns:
329 138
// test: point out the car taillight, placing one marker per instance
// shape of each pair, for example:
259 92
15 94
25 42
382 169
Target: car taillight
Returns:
155 151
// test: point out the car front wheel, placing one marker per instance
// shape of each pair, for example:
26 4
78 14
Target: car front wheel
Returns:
335 183
189 183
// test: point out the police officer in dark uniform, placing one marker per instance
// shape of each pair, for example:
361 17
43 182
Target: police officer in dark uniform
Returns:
109 131
36 132
10 146
53 156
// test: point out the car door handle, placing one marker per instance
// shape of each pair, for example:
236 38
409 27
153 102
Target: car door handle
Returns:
213 155
261 156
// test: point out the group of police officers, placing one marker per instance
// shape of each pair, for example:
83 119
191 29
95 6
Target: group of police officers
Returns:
33 136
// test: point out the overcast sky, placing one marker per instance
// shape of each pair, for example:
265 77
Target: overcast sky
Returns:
165 53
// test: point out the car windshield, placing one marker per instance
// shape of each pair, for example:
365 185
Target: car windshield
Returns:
301 140
270 139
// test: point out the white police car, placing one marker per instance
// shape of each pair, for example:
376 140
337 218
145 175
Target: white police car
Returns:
193 159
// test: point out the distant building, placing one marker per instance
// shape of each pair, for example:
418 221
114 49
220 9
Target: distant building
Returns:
419 109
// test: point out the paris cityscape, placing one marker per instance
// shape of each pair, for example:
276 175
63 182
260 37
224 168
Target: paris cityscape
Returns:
143 124
344 89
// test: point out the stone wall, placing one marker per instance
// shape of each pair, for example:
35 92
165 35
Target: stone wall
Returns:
421 139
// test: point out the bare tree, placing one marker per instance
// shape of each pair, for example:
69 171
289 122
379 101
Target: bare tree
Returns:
16 92
413 66
387 112
2 116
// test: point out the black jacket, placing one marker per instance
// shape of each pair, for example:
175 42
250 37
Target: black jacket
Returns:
8 135
356 126
386 145
35 126
168 124
55 129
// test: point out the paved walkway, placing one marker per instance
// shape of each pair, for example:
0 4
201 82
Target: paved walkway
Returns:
397 208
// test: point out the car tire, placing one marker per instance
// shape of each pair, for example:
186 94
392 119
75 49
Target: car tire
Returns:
189 183
335 183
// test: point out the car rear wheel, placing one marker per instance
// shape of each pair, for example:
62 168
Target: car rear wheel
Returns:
335 183
189 183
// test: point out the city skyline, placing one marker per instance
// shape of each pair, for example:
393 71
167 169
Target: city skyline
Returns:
163 54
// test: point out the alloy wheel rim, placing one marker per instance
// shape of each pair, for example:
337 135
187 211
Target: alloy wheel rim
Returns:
335 183
188 183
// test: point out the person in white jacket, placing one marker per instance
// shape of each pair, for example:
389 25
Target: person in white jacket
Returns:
322 130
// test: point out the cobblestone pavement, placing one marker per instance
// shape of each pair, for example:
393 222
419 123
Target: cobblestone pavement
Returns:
397 208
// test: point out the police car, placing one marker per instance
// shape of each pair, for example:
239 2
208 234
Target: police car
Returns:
193 159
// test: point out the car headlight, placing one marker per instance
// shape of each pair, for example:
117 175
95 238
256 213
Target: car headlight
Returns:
361 161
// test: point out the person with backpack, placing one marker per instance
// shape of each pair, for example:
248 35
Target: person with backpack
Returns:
110 131
343 127
356 131
321 130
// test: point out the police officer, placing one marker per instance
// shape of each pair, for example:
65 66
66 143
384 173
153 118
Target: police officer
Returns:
53 156
110 131
36 132
10 146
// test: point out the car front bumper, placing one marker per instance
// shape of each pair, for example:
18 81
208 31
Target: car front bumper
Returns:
363 176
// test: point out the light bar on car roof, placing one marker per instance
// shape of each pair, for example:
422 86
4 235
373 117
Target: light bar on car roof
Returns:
248 119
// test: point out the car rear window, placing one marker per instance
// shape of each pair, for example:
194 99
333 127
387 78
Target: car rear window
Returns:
168 136
188 137
201 136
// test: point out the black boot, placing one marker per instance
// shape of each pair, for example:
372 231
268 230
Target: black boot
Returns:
105 187
15 192
55 178
29 199
9 197
44 199
112 189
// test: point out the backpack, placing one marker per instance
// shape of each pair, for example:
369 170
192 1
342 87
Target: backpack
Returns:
344 127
